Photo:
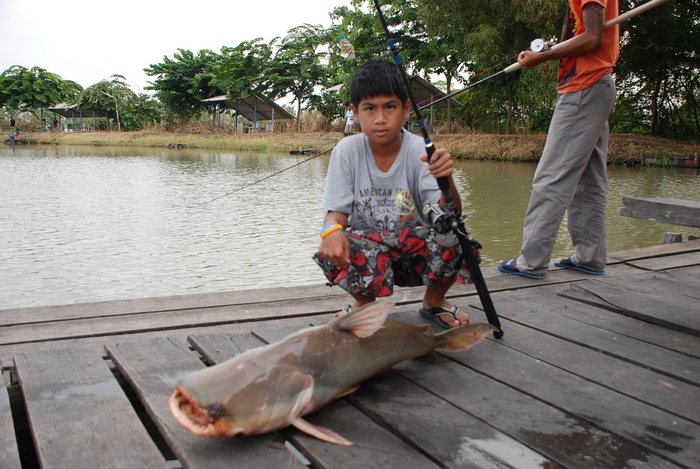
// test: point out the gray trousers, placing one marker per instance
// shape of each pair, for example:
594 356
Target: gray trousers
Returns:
571 175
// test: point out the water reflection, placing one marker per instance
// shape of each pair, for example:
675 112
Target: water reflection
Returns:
84 224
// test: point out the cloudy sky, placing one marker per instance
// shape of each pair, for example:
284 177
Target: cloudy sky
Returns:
90 40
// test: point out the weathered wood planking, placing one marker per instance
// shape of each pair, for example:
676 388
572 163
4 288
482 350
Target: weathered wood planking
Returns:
542 315
153 368
9 454
79 415
654 251
673 310
668 262
269 296
463 440
672 211
607 320
659 433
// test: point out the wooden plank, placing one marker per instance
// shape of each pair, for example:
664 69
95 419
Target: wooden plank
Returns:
668 262
454 438
17 316
638 382
614 323
655 251
672 311
9 453
154 379
657 432
199 317
542 314
671 211
568 439
79 415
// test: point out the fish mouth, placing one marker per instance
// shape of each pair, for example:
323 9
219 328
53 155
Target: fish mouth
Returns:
194 417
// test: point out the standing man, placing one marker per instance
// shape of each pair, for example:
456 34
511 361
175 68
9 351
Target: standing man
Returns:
571 174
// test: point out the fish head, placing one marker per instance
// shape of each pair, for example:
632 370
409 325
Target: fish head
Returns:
251 402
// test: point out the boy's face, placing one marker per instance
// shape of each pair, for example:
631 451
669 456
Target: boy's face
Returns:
382 117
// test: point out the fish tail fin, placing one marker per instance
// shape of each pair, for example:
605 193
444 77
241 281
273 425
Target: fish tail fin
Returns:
463 337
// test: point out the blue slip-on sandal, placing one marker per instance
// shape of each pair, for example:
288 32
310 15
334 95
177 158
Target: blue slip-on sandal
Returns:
433 314
567 264
509 267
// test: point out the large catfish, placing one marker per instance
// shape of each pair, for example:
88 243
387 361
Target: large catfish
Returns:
274 386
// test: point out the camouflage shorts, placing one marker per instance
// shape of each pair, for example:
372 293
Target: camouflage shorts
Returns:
409 257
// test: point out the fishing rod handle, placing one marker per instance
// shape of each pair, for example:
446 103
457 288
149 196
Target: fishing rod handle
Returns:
634 12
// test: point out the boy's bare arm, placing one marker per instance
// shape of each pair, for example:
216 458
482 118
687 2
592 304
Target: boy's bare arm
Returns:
335 246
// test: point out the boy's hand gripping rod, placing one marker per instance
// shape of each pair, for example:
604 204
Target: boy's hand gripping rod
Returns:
455 220
541 45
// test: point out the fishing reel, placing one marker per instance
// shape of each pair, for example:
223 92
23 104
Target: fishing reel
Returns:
540 45
442 220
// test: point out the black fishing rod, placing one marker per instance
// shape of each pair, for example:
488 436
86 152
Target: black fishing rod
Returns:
539 45
449 219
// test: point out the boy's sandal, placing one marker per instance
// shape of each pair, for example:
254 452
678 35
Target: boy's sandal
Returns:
433 314
566 263
509 267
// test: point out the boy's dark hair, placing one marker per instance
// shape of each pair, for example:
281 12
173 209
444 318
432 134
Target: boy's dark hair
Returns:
376 78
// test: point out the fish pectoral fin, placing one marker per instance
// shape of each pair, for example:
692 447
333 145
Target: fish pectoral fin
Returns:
463 337
366 320
348 392
321 433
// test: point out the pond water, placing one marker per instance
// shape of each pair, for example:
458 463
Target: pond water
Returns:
81 224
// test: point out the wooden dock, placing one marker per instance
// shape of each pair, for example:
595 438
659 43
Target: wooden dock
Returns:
591 372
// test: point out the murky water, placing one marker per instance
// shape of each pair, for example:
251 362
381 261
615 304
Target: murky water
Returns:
81 224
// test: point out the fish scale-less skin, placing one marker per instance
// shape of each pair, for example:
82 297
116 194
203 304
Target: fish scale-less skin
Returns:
273 386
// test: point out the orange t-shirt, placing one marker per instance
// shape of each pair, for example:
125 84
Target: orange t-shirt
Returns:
578 73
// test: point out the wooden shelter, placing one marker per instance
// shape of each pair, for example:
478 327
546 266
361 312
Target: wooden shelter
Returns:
254 108
74 111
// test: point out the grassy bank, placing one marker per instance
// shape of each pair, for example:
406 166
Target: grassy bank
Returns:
624 149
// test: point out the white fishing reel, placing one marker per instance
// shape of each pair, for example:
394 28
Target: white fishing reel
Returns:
540 45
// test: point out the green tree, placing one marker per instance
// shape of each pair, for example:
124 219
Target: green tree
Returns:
657 73
296 67
184 81
34 89
113 97
241 68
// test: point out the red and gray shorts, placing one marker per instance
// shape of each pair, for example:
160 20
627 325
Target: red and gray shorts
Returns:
409 257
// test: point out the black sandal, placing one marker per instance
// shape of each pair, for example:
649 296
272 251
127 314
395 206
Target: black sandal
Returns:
433 314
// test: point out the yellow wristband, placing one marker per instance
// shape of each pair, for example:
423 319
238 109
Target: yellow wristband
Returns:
330 229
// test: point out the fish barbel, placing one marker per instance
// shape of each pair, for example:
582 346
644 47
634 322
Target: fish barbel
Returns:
274 386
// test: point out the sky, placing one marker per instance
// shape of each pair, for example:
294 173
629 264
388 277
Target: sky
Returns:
90 40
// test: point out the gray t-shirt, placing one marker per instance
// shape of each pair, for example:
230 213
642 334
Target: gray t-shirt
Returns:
375 200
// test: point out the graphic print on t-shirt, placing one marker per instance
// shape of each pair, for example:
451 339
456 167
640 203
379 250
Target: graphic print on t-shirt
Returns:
384 209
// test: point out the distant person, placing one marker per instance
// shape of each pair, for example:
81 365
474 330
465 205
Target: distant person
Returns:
571 175
349 120
12 122
375 233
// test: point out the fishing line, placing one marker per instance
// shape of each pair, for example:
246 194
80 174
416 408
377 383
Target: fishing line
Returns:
200 204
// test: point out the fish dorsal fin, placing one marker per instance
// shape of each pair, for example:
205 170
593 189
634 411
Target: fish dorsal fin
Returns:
321 433
366 320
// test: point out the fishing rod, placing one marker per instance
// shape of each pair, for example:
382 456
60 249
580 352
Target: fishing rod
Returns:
539 45
449 219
